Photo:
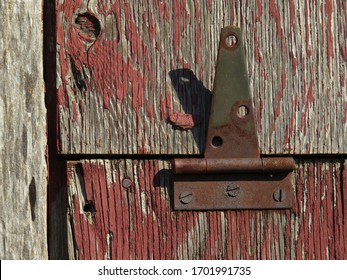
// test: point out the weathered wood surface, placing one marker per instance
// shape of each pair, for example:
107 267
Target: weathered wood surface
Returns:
110 221
122 87
23 170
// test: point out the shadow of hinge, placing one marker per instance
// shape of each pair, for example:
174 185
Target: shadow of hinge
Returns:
232 174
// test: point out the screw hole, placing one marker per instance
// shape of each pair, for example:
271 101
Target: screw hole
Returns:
231 41
217 141
89 207
242 111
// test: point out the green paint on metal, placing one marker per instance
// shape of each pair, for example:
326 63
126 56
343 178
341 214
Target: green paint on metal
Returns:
231 79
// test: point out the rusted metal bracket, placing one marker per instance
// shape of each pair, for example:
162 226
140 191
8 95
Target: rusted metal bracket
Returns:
232 175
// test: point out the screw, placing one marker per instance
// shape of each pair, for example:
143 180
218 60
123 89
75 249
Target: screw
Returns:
127 183
186 197
232 191
278 195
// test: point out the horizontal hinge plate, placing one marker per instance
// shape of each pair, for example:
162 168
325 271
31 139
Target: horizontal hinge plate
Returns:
235 191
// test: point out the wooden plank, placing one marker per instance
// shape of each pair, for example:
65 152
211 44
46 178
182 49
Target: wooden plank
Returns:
112 221
23 169
128 70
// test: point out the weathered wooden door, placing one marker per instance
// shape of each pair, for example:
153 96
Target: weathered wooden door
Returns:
133 85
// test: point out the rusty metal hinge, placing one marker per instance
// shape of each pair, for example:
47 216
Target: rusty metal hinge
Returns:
232 174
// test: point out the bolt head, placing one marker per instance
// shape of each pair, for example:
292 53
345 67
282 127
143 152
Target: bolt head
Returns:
186 197
278 195
127 183
232 190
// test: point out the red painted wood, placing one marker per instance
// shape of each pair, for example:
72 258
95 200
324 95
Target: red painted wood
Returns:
143 225
117 94
117 62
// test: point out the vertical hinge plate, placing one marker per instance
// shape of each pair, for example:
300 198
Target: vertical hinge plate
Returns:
232 175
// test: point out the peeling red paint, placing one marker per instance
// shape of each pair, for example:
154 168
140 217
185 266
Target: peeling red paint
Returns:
163 9
165 106
198 53
177 32
291 14
342 80
150 110
75 112
294 62
232 11
275 14
310 95
163 112
81 109
264 74
209 4
257 55
330 37
280 95
120 76
259 11
307 29
152 25
308 98
184 121
344 52
260 114
144 209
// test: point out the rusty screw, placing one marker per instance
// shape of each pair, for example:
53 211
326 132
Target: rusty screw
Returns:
232 190
186 197
127 183
278 195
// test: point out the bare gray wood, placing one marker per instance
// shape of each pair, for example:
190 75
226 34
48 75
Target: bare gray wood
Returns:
110 218
23 169
119 86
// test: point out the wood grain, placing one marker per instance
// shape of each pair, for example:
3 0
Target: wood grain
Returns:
23 169
110 221
125 69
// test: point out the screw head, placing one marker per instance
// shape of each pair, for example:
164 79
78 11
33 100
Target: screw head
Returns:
278 195
127 183
186 197
232 190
